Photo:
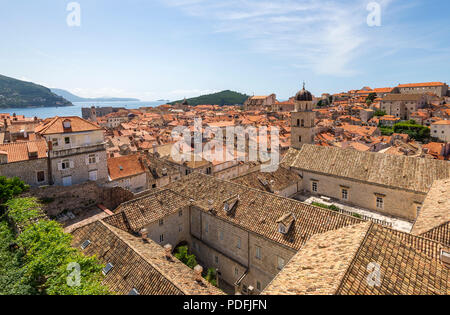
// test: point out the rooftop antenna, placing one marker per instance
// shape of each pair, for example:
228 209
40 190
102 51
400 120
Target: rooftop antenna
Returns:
303 84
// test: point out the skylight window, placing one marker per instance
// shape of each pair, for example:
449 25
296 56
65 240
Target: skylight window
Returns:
134 292
107 269
85 244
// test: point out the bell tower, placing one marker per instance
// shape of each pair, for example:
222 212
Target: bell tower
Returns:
303 120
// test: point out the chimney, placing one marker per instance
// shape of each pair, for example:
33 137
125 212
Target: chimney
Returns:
154 148
168 250
198 273
144 234
210 205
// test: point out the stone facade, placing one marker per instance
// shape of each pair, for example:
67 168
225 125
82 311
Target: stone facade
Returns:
79 197
88 165
441 130
303 122
256 103
403 106
395 202
27 171
136 183
438 88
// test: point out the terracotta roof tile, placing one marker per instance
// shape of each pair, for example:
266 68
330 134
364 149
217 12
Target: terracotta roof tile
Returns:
125 166
138 265
55 125
403 172
20 151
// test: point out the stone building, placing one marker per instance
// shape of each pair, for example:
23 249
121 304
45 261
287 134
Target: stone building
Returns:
246 234
402 105
365 259
303 120
26 160
441 130
438 88
258 243
77 150
127 172
257 103
389 184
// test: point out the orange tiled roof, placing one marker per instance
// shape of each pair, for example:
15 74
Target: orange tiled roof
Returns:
55 126
421 84
125 166
19 151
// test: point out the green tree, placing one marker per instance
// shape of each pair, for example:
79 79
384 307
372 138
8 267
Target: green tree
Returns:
415 131
182 255
380 113
211 276
46 254
371 98
11 187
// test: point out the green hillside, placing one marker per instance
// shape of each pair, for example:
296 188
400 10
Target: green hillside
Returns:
20 94
222 98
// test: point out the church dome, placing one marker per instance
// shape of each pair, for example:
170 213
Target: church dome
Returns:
304 95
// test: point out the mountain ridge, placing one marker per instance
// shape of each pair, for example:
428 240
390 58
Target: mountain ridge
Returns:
74 98
16 93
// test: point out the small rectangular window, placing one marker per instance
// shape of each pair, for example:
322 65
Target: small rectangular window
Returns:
315 187
258 285
85 244
40 176
216 259
67 140
65 164
239 243
161 238
161 222
280 263
380 203
107 269
180 213
92 159
258 252
344 194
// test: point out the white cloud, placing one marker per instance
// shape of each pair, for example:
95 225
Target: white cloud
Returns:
322 36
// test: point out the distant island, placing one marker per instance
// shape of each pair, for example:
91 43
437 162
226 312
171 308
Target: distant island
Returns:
20 94
222 98
73 98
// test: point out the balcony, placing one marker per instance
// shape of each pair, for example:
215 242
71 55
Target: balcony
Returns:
89 148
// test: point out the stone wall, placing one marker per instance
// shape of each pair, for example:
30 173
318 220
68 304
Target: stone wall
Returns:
26 171
76 198
397 203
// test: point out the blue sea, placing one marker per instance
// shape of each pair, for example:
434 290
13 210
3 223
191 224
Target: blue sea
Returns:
46 112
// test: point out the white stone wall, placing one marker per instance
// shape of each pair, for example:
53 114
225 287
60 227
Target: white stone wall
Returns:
398 203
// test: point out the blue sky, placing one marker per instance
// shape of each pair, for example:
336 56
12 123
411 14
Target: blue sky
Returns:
154 49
